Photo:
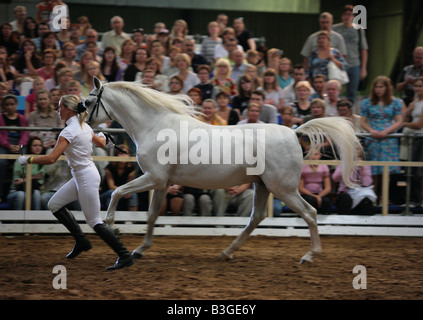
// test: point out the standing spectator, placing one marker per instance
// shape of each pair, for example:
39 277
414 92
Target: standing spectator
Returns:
410 74
416 126
189 49
16 196
221 80
116 36
245 38
45 116
284 72
208 90
381 114
319 59
337 41
357 51
209 43
315 185
11 140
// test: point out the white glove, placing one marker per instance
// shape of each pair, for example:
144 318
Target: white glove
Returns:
23 160
101 135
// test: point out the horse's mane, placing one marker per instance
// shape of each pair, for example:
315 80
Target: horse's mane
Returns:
180 104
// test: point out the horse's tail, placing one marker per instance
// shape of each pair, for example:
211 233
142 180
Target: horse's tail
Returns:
340 134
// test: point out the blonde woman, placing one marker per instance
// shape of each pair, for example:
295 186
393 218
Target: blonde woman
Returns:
76 142
68 57
221 80
92 70
183 63
302 105
179 29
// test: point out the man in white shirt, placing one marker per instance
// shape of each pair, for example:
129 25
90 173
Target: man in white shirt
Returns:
116 36
20 15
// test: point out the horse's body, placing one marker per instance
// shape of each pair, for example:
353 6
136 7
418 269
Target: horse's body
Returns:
152 118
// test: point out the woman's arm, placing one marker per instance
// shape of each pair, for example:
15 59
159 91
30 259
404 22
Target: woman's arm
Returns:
99 141
52 157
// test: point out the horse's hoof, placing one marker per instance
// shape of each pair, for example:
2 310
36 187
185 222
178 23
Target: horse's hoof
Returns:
224 257
304 261
136 255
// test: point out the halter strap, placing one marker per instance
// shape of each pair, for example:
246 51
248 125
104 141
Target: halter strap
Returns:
97 105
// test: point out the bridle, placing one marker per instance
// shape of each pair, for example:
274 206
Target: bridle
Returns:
97 105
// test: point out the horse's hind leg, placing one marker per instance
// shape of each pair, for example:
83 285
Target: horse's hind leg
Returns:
153 212
309 214
258 214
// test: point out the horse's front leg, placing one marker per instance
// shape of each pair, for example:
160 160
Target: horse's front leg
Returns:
153 212
140 184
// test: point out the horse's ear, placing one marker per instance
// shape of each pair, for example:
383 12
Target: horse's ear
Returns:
97 83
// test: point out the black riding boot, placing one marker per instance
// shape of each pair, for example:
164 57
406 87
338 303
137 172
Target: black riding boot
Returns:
69 221
108 236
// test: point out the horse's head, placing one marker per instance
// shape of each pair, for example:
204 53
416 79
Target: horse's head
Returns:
95 106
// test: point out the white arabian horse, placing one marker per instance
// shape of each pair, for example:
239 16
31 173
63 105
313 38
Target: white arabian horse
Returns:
164 126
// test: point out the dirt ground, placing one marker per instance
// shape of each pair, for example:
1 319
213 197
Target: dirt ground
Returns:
181 268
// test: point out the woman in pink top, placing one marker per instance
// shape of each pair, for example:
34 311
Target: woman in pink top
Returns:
315 185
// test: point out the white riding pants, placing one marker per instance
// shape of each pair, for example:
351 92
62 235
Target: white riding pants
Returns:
84 186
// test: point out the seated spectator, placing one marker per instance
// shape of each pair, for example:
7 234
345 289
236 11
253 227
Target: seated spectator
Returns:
11 140
171 67
28 61
273 56
138 38
68 57
175 85
333 91
315 185
287 114
228 39
228 114
109 66
138 64
183 63
302 105
344 108
92 70
158 52
91 35
244 88
85 59
116 36
240 197
37 85
208 90
179 29
9 38
73 87
126 54
239 66
209 43
253 72
75 36
160 80
16 196
54 81
91 46
188 47
196 198
119 173
318 110
272 92
48 41
6 74
298 74
359 200
253 114
173 202
221 78
48 59
45 116
210 115
63 77
268 114
319 85
55 95
284 74
195 95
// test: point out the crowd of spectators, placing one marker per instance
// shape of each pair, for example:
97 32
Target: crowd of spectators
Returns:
231 78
